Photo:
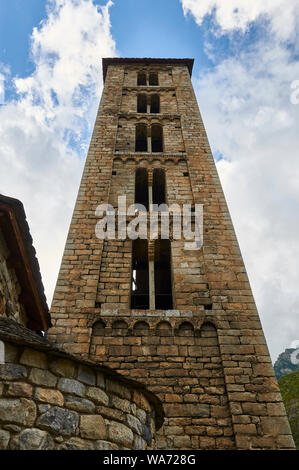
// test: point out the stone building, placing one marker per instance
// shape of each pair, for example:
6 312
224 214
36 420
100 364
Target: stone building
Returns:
183 322
50 399
22 295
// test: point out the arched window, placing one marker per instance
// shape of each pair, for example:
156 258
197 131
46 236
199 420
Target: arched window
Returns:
155 103
208 330
163 287
140 278
141 103
141 328
164 329
153 79
159 193
157 138
141 187
186 329
141 79
141 138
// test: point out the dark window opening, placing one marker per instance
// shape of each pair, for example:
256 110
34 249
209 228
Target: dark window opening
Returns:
141 328
155 103
163 287
98 328
141 79
186 173
141 187
159 193
141 104
157 138
186 329
141 138
140 278
153 79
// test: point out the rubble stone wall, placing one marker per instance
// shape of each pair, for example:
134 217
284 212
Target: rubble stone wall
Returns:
52 402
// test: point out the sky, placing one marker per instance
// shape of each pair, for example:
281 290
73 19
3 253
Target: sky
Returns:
246 62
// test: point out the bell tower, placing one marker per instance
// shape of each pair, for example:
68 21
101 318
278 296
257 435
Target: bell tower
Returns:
183 321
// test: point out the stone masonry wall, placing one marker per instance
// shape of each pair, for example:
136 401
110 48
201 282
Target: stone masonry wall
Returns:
157 347
208 285
10 290
49 401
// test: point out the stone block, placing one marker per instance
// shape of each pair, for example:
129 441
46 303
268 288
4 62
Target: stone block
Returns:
32 439
194 410
11 353
59 421
86 375
4 439
120 404
134 424
18 411
275 425
75 443
72 386
119 389
54 397
12 372
92 427
105 445
42 377
33 358
63 368
20 389
98 396
82 405
120 434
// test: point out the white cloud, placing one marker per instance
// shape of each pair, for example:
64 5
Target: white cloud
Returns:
44 134
232 15
245 102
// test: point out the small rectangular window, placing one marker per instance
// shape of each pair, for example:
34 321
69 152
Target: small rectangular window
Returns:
153 79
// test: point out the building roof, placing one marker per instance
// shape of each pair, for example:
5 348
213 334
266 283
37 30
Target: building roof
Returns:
23 260
146 60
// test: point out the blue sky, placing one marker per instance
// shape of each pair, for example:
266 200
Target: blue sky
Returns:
135 26
246 58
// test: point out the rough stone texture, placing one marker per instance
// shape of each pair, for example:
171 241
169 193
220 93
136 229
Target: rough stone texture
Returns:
34 359
19 411
32 439
92 427
210 365
79 404
41 409
72 386
63 368
4 439
59 421
54 397
120 433
10 289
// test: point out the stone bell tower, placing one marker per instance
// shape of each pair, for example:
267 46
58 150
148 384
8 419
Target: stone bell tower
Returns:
182 321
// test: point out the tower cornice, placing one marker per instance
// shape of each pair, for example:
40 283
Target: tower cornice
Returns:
106 61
